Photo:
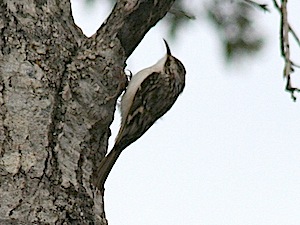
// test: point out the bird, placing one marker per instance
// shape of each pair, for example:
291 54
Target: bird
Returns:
149 95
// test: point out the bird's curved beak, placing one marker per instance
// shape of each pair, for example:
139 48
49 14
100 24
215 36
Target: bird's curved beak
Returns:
167 47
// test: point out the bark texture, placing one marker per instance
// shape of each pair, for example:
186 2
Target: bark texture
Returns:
58 91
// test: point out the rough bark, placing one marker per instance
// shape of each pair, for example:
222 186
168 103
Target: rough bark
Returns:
58 91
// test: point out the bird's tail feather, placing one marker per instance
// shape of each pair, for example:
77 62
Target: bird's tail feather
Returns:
105 167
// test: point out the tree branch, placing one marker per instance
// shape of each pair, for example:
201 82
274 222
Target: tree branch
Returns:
285 30
131 20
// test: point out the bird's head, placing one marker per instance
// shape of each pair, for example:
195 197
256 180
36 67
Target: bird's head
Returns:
173 65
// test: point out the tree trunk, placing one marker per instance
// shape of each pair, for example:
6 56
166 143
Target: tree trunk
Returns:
58 91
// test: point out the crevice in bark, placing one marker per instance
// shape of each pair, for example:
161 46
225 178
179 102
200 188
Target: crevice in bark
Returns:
6 140
78 80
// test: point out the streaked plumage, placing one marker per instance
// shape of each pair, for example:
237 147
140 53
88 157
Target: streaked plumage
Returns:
149 95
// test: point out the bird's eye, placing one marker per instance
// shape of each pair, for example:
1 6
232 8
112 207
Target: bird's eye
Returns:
167 64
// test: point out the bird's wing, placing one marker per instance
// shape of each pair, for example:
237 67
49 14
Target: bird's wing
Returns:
151 101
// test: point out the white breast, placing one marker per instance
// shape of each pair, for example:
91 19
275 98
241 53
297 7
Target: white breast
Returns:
134 85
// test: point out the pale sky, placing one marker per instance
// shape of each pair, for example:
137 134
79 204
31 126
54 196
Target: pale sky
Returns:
228 151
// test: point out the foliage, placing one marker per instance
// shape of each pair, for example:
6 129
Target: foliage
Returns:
235 24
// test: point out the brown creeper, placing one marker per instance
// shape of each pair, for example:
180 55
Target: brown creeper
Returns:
149 95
